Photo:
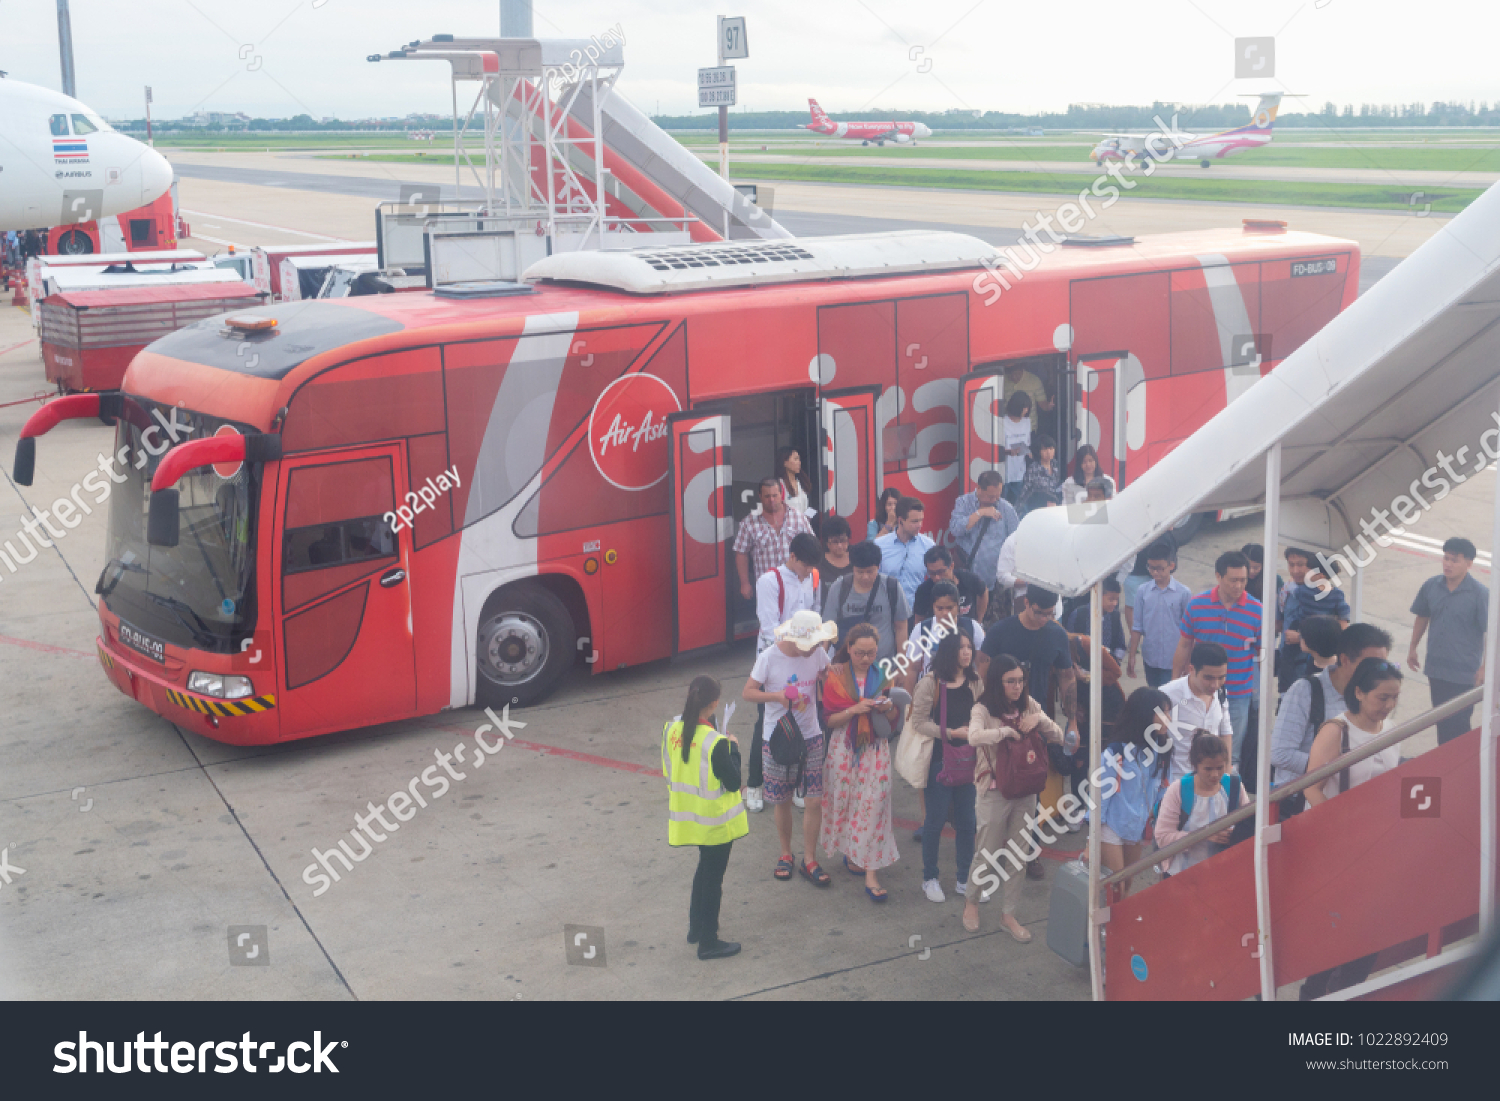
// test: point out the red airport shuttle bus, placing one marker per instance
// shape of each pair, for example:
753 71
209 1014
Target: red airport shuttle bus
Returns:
386 506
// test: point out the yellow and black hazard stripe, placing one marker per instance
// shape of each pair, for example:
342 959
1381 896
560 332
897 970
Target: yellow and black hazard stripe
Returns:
226 709
104 658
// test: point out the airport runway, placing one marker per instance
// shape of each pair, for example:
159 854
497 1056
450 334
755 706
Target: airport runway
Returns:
263 189
1186 168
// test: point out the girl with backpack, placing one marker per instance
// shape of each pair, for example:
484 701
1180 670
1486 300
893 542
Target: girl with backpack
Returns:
1203 795
1009 730
1139 772
941 709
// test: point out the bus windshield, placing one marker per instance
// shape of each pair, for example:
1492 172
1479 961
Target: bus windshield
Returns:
200 593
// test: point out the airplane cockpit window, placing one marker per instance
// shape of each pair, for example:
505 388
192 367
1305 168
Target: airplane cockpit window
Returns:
59 126
82 125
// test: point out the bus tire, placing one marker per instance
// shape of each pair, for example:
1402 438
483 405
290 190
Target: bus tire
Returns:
1189 526
527 642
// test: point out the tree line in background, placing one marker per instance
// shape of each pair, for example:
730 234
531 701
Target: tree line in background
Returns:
1079 116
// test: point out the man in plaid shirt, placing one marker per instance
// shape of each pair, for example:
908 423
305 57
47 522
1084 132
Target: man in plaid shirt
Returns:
766 536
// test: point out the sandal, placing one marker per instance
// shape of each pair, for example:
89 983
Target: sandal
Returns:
881 897
784 868
814 873
851 869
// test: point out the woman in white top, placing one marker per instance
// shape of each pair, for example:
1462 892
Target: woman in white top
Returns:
1372 694
1085 469
795 489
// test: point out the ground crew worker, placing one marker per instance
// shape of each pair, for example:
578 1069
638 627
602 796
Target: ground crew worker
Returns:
702 768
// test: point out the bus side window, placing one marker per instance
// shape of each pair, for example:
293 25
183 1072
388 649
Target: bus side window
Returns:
336 515
324 545
59 126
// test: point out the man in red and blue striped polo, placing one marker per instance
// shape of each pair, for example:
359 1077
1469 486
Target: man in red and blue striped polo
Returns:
1230 616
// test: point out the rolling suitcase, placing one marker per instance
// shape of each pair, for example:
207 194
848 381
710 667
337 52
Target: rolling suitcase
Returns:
1068 914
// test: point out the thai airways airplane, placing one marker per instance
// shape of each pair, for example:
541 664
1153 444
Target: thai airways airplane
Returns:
61 163
903 133
1132 147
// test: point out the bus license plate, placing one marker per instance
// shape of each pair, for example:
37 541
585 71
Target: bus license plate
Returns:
142 643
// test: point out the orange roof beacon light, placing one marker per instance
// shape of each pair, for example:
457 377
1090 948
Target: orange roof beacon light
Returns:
250 322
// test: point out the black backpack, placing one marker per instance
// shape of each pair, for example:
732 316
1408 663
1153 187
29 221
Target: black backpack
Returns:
1296 804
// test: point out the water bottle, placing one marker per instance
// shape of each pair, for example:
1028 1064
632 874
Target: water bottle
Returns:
1070 741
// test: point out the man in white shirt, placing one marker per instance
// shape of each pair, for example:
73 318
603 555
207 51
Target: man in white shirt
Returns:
789 588
1196 704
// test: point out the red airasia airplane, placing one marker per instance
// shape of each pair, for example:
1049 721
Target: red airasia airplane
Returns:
904 133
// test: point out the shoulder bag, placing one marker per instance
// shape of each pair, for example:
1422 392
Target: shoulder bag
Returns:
958 760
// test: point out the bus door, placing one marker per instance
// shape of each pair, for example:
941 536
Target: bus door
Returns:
1103 383
343 595
849 468
981 435
702 526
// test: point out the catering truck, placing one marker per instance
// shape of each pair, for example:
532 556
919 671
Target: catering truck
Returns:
359 510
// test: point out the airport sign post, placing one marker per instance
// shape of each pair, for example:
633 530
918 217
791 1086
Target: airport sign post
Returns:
716 87
149 140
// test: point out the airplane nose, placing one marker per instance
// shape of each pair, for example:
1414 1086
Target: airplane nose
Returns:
156 176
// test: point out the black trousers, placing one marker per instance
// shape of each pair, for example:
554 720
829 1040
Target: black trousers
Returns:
708 891
756 777
1337 978
1454 725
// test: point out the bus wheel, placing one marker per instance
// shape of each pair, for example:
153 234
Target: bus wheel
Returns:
74 243
526 644
1188 526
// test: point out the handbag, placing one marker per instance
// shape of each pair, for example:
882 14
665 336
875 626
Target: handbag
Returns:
1021 766
958 760
788 747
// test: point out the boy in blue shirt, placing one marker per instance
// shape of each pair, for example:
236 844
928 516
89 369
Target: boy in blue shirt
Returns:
1311 593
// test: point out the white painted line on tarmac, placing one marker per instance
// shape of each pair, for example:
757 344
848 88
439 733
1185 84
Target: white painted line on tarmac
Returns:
263 225
216 241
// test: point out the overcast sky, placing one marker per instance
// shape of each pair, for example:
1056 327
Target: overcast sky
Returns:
849 54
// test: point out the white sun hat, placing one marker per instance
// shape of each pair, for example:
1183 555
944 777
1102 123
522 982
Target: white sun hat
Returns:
807 629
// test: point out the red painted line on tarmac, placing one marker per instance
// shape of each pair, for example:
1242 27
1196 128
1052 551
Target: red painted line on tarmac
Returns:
13 347
46 648
655 770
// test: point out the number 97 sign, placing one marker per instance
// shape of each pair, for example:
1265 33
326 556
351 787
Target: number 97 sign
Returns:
732 42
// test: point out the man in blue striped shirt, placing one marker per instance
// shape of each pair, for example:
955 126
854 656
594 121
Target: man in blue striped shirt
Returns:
1229 616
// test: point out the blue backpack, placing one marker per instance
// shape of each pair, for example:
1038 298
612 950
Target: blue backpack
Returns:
1231 784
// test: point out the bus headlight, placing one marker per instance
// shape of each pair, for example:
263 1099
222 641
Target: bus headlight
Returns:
220 686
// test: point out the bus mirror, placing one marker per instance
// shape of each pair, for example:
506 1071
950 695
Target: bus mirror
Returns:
161 522
25 460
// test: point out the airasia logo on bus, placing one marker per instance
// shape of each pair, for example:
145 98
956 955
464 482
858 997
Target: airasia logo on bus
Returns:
628 431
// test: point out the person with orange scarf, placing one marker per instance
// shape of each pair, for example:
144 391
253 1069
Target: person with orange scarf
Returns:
863 714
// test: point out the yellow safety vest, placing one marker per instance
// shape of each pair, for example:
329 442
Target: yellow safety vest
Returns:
699 810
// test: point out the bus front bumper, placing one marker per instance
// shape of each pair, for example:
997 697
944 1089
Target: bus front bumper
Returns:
250 721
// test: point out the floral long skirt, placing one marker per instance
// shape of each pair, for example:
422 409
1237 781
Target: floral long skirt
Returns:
857 803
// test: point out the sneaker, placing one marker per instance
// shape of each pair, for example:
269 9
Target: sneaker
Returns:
916 834
754 800
933 892
719 949
797 800
1074 827
1034 870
